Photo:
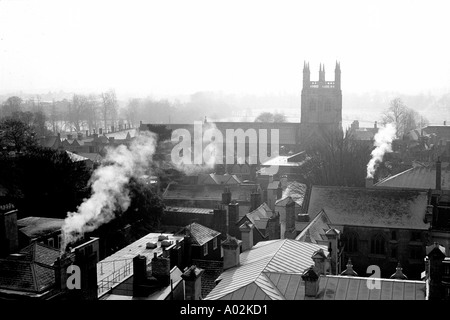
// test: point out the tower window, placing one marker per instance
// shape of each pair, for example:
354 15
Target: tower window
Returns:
351 242
377 245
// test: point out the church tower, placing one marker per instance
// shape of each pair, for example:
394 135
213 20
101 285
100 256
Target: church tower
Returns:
321 103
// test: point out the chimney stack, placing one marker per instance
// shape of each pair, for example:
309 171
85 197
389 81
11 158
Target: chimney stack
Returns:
311 278
233 218
247 235
333 236
369 182
438 174
375 125
273 229
279 191
255 200
226 196
139 274
112 128
161 270
435 256
290 219
320 260
100 131
231 252
9 238
193 283
220 220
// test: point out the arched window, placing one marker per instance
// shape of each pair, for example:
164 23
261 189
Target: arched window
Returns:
350 242
378 245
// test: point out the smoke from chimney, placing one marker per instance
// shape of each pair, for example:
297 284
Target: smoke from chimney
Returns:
383 144
109 187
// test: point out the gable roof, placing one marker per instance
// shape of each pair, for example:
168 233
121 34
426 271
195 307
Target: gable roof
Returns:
294 190
36 227
422 176
370 207
201 234
32 271
315 231
260 216
250 279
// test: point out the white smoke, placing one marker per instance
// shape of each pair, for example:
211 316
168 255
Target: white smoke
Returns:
383 144
109 187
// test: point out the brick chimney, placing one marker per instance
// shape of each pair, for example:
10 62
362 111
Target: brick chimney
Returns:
231 252
161 270
290 219
434 266
333 236
9 238
273 227
320 261
233 218
86 258
246 235
438 174
255 200
311 278
220 220
139 274
193 283
226 196
375 126
279 191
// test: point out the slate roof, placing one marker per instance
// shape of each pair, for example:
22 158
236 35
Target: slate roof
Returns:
220 179
36 227
31 271
260 216
188 210
213 269
315 231
250 280
420 177
370 207
295 190
201 234
240 193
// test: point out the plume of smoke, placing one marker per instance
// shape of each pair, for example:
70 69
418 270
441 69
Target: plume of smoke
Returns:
109 187
383 144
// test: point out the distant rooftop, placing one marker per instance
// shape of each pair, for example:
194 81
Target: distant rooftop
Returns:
36 227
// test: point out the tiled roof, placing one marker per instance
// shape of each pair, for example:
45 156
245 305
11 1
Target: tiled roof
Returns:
31 272
36 227
314 232
370 207
295 190
201 234
188 210
213 269
260 216
419 177
266 256
240 193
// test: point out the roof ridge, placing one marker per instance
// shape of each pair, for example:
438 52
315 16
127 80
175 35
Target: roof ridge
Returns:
273 286
273 256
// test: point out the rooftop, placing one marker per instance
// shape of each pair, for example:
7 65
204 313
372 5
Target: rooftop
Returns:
251 277
422 176
294 190
189 210
260 216
370 207
200 234
36 227
315 231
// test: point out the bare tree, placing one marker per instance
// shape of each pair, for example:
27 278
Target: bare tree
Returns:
11 105
76 112
109 107
131 112
405 119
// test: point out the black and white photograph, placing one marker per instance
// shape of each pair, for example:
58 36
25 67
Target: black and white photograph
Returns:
222 154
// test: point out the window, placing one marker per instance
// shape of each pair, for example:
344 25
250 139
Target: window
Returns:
394 235
205 249
215 243
59 241
377 245
351 242
415 236
415 252
394 252
51 242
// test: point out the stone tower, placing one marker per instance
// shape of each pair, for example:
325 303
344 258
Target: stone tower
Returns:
321 104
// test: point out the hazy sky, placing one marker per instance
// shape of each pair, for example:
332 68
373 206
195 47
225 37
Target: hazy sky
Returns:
180 47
